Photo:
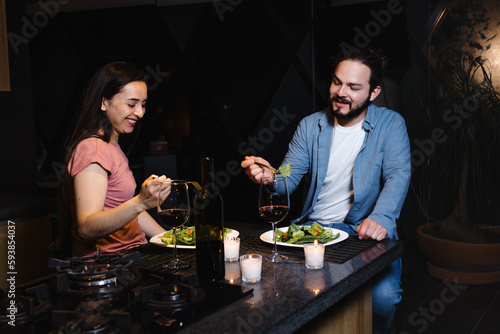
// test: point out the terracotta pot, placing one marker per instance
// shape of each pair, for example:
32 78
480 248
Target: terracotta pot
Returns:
469 263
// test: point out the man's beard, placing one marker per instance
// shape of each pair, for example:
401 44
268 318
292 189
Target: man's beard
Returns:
353 113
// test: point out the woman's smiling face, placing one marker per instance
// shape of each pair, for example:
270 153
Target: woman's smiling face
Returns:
125 108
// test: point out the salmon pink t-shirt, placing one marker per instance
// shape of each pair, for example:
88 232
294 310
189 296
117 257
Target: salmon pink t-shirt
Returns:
121 188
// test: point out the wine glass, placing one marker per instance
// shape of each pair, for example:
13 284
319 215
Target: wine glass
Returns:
174 211
273 207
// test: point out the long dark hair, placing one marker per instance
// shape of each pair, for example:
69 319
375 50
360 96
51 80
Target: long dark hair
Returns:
91 122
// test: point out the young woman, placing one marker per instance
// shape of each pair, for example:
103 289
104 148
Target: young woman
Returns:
97 192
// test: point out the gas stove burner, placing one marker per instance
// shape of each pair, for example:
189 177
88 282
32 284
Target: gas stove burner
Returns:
97 277
29 306
91 275
169 293
114 294
25 310
171 297
96 286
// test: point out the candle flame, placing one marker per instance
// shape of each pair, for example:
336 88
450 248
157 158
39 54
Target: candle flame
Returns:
315 242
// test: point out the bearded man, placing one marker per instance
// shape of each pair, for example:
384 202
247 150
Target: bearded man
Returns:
357 157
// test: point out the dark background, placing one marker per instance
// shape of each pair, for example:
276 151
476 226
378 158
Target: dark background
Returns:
232 66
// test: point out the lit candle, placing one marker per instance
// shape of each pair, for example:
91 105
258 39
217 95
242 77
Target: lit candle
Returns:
251 266
232 271
231 249
314 254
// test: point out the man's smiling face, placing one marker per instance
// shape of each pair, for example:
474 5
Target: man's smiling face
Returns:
350 92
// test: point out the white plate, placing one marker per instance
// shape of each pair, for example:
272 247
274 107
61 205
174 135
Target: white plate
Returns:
268 237
157 241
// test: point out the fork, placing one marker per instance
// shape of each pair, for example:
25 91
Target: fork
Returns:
275 171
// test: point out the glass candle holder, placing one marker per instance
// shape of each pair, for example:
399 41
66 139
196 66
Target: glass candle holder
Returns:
314 253
231 249
251 267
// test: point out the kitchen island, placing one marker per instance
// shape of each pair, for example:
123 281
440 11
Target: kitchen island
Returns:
138 294
290 298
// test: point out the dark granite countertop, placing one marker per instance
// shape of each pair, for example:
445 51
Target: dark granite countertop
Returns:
289 295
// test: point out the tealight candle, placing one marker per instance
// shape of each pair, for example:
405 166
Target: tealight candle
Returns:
314 254
251 266
231 249
232 271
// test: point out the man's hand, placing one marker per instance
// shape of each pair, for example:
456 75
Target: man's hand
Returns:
370 229
254 172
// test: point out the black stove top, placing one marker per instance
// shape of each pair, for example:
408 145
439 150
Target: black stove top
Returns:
113 294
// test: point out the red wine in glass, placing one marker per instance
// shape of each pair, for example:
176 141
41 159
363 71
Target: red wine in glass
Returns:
273 207
174 211
273 213
173 217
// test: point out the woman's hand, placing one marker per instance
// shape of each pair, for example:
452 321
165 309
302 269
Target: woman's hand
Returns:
165 190
255 172
152 189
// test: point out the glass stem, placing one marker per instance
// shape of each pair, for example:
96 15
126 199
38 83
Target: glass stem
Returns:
175 245
275 250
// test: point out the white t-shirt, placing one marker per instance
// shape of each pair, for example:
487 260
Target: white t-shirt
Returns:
337 195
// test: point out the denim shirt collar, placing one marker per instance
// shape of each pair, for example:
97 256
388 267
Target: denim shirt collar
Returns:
368 123
327 119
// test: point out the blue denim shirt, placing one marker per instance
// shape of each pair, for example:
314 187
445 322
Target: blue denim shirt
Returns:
382 169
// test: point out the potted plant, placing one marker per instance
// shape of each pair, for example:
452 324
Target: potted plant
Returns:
460 178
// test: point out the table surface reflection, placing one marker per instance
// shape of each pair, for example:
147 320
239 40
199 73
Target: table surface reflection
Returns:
288 294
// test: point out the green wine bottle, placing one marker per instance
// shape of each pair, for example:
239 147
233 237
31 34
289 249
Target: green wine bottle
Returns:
209 226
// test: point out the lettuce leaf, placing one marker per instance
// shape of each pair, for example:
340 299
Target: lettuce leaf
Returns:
306 234
186 235
285 170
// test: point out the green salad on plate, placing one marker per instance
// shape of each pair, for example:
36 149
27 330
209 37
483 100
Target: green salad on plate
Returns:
186 235
306 234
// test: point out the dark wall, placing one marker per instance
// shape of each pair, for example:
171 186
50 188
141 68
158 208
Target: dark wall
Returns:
17 130
220 76
414 98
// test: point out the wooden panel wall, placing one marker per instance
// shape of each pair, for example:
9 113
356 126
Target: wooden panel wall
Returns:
32 239
352 314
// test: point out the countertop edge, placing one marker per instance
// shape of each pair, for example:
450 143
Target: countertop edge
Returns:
299 316
332 296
